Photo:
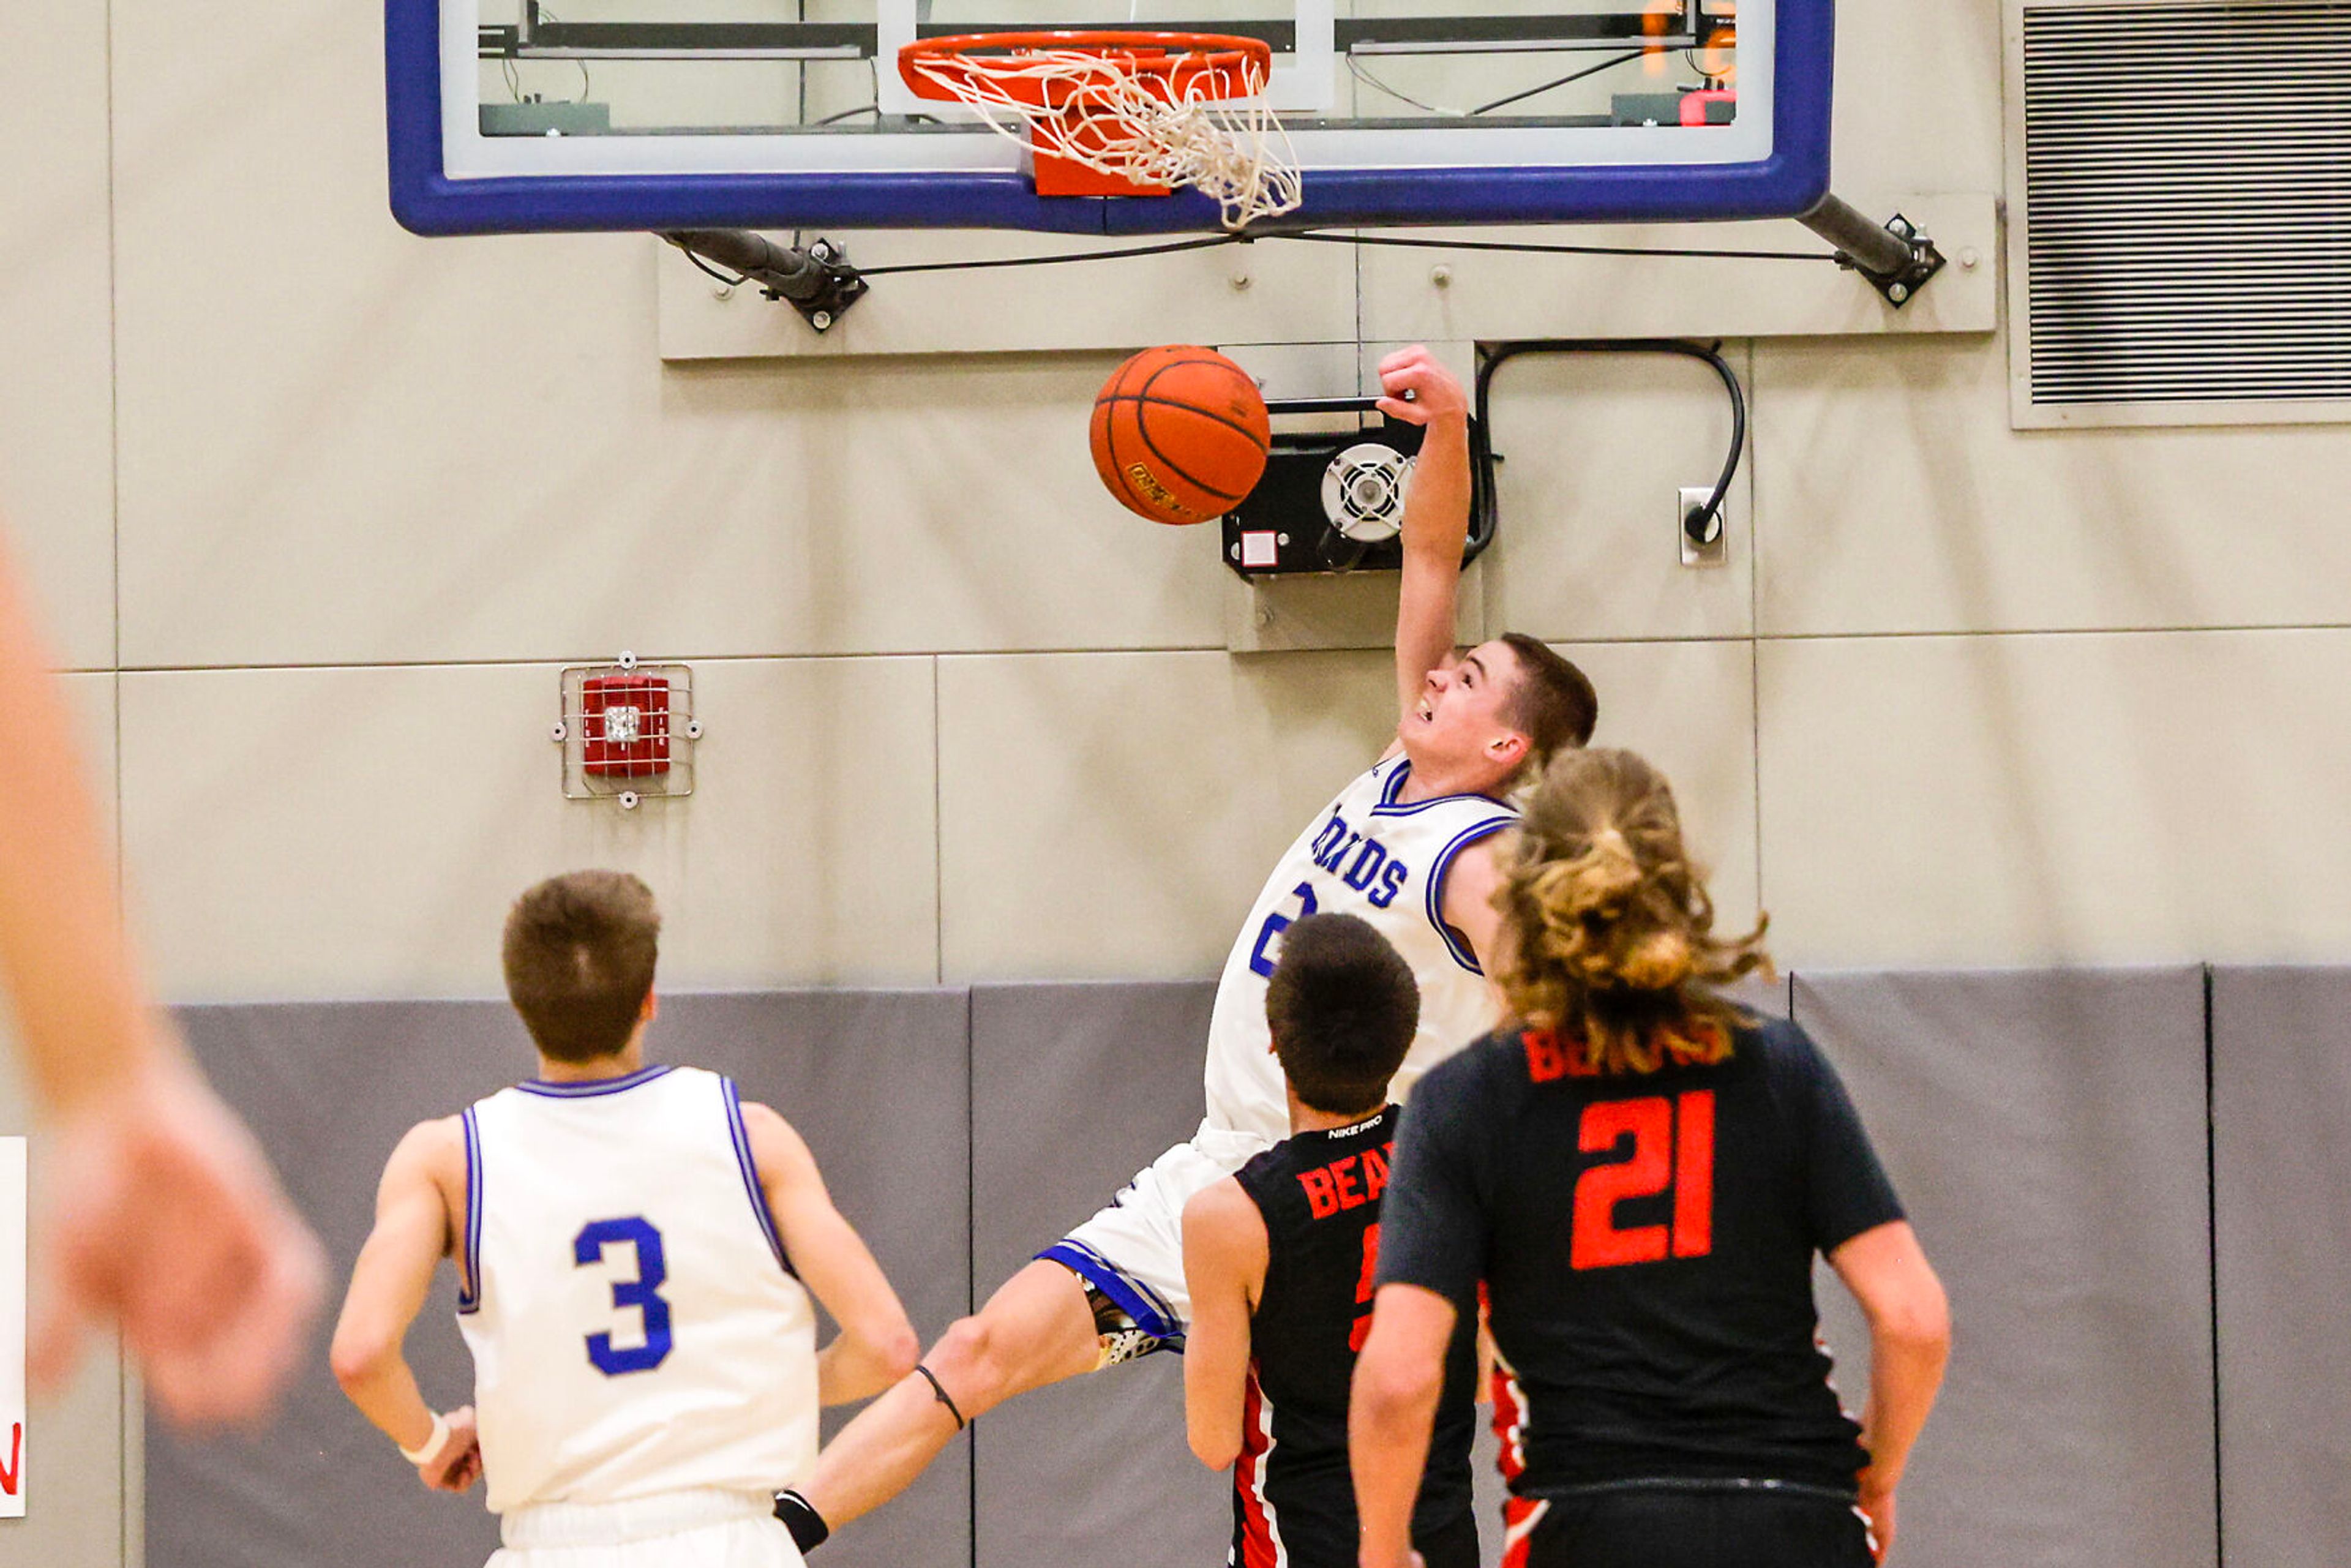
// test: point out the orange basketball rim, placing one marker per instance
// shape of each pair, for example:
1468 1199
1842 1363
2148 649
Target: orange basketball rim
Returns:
1110 112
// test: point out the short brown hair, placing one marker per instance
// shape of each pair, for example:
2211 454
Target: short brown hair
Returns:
1343 1008
1552 703
579 952
1610 930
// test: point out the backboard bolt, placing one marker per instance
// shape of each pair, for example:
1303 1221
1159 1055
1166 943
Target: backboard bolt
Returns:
1441 277
628 799
558 732
821 320
722 291
694 729
1242 280
1898 292
627 660
1969 259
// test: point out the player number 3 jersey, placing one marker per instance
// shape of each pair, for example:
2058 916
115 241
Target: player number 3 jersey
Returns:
1367 856
634 1322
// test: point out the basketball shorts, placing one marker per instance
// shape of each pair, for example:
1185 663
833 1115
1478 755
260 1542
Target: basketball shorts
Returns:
1696 1525
1131 1253
698 1528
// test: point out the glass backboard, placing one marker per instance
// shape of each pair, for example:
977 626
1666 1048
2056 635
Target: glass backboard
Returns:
513 115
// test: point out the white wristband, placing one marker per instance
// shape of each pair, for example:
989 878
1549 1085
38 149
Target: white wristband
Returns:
430 1449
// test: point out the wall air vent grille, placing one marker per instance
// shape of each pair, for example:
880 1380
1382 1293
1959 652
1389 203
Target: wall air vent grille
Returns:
2180 210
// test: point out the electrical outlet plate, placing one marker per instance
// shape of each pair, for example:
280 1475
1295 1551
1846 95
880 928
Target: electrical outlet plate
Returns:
1715 551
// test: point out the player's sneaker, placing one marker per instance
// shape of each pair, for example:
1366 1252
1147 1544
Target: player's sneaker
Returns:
1119 1337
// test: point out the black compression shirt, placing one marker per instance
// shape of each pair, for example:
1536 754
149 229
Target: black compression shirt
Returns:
1320 1194
1648 1245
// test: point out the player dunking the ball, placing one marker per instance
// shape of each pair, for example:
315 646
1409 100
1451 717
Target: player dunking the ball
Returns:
1406 847
637 1251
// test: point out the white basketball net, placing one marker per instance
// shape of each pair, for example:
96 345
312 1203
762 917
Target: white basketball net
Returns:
1101 114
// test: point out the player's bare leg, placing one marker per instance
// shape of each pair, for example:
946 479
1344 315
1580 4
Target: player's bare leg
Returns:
1037 1329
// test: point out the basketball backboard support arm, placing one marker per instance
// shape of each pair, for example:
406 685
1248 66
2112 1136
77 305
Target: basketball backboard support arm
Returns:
818 282
1896 258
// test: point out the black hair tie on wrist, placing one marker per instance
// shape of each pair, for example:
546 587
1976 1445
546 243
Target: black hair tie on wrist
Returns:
939 1391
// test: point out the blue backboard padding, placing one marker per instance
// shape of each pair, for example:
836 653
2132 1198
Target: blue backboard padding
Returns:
427 201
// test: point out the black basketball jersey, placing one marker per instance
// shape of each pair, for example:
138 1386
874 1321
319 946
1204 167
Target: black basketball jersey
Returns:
1648 1243
1293 1500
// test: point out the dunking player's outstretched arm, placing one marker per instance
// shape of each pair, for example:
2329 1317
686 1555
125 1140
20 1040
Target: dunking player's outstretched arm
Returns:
876 1345
1436 531
415 1228
1436 513
1225 1253
163 1213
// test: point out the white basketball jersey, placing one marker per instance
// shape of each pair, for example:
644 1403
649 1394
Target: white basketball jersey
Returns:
1369 856
635 1326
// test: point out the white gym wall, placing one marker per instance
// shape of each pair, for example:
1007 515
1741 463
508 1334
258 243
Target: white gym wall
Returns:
316 508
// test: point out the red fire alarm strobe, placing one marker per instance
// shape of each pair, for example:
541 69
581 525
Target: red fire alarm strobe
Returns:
628 731
625 725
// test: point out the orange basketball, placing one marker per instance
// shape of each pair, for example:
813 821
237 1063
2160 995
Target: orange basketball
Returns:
1180 434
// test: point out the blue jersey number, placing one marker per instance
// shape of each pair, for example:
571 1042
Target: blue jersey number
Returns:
643 1292
1261 956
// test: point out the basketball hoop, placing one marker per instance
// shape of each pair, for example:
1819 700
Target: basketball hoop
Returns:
1124 114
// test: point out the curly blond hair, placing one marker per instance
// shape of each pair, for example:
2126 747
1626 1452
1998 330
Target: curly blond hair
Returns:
1609 940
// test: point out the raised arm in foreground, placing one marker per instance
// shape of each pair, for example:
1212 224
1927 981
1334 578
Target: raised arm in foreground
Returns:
166 1218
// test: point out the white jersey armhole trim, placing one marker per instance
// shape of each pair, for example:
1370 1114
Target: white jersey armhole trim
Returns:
1461 951
469 1284
742 1139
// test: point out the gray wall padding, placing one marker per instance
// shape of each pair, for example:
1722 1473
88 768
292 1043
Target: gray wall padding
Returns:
2047 1132
877 1083
2282 1167
328 1089
1075 1087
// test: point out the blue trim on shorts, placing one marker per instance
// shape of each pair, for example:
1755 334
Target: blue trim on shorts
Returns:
1138 1301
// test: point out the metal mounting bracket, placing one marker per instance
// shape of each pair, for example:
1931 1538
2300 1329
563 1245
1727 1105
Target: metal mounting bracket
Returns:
818 282
1896 258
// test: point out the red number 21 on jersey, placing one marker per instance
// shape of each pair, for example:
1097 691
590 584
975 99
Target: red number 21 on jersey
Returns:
1673 1146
